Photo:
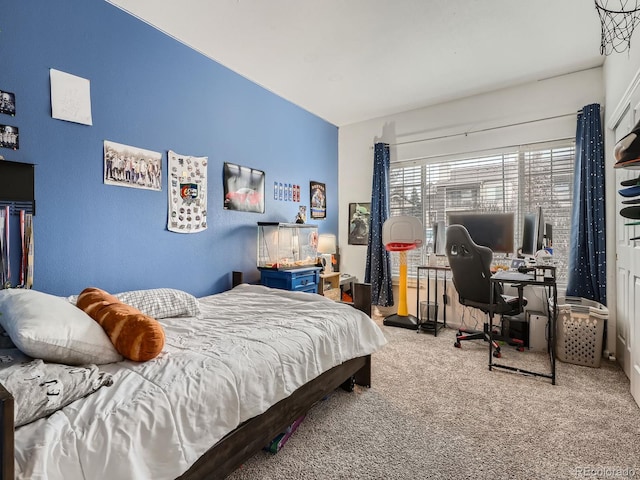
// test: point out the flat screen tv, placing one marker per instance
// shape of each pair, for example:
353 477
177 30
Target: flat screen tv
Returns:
493 230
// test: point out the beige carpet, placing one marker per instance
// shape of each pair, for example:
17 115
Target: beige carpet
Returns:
435 411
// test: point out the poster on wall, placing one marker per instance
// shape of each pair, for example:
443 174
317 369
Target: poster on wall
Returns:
359 217
187 193
127 166
318 200
9 137
301 217
7 103
243 188
70 97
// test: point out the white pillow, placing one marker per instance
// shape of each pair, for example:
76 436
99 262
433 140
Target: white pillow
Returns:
161 302
49 327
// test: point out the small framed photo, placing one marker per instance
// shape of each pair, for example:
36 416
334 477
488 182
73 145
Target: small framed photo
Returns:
9 137
7 103
318 200
359 220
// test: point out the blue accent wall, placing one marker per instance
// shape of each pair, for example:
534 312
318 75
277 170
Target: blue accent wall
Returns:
151 92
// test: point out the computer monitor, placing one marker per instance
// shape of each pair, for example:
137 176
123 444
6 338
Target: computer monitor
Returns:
439 238
493 230
533 233
548 235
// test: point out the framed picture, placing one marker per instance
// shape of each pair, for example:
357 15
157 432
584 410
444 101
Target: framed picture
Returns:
243 188
7 103
187 193
359 219
128 166
318 200
9 137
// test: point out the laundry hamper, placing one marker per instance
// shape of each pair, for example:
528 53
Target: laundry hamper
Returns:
580 330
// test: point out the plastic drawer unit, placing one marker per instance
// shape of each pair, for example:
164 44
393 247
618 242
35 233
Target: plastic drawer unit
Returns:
298 280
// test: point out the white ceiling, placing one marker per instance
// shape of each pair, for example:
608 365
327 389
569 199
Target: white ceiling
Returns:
352 60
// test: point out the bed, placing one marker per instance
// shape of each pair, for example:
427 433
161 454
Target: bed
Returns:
227 381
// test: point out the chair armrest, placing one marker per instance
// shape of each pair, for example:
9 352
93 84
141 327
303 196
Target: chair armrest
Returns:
520 298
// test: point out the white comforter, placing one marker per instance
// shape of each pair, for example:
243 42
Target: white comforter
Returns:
250 348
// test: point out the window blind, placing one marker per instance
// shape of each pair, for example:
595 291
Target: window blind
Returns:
516 179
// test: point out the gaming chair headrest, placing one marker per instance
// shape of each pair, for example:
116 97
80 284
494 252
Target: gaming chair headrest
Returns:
459 243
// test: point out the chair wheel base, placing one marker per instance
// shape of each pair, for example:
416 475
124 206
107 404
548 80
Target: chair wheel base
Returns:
457 345
497 354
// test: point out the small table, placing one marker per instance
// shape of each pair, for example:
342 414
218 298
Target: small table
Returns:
347 279
432 324
543 276
329 285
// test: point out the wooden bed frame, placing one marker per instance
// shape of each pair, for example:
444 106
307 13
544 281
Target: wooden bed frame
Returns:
6 439
250 437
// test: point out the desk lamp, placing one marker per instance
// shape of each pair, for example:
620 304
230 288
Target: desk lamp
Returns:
326 248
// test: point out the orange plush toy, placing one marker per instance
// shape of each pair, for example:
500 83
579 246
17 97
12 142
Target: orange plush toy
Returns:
135 335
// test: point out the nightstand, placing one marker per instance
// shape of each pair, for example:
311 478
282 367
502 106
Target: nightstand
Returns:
298 280
329 285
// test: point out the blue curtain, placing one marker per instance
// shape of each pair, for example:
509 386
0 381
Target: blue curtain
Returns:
587 262
378 270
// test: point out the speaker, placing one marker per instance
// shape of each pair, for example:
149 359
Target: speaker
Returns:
516 327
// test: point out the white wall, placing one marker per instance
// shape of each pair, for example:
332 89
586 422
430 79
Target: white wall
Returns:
620 71
556 97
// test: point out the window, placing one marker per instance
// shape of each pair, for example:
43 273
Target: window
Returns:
515 180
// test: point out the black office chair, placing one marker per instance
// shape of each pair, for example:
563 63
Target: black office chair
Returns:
471 272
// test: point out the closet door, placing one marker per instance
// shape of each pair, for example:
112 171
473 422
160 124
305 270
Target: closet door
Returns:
628 269
624 253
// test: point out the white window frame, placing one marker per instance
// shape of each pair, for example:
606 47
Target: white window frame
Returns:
414 192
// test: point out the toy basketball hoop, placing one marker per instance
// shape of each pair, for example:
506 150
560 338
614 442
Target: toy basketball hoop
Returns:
401 234
400 246
618 18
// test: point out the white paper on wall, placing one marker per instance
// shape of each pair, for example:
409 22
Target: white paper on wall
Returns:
187 193
70 97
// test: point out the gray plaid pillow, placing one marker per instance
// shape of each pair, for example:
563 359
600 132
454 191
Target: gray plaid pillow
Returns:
162 302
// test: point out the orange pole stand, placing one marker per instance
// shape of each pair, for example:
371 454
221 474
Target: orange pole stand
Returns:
403 310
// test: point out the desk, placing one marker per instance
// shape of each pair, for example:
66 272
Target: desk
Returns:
543 276
429 324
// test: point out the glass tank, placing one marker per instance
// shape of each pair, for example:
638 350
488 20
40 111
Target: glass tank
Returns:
283 246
